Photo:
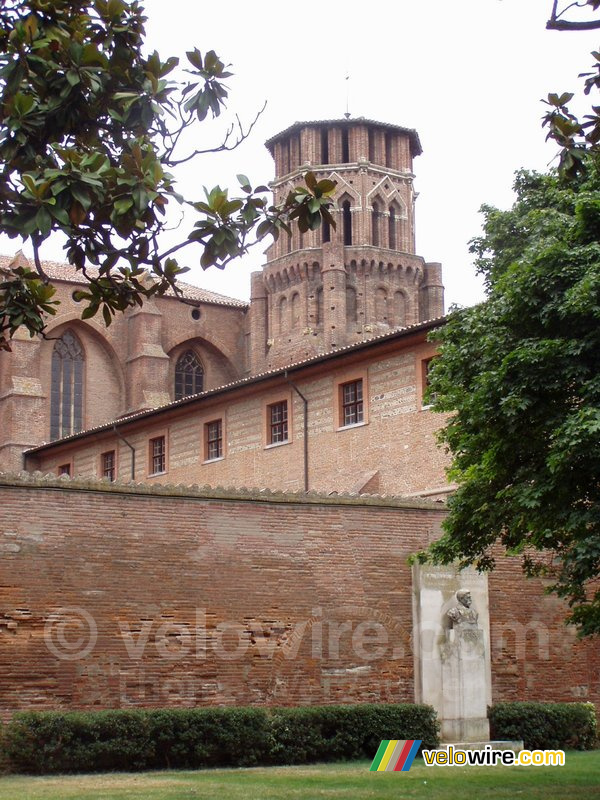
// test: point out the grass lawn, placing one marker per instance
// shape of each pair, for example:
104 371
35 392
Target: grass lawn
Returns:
579 779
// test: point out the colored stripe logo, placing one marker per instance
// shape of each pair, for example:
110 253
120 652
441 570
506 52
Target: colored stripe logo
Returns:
395 755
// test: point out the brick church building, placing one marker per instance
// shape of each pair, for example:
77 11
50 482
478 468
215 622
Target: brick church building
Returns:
329 356
310 399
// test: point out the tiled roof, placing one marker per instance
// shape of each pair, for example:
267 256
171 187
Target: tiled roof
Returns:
413 135
58 271
397 333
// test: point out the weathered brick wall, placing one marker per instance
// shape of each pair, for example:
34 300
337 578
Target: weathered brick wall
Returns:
121 596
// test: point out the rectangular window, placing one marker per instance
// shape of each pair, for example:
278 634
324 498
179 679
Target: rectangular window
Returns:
64 469
108 465
213 440
351 400
158 452
277 422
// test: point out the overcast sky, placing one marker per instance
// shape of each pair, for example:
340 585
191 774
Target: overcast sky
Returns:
468 75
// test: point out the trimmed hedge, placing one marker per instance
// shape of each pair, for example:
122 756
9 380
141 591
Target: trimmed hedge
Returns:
545 726
346 733
51 742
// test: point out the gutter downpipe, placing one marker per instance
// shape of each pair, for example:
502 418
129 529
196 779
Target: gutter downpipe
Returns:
130 446
305 402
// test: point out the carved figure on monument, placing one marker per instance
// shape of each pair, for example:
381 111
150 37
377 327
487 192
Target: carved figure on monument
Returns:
463 615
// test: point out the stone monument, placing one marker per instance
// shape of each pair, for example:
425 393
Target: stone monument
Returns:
452 649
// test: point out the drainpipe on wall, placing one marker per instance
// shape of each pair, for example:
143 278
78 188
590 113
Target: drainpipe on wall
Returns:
130 446
305 403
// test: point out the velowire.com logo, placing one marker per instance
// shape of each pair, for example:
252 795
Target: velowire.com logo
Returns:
395 755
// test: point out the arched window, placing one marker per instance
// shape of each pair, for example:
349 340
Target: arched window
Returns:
371 145
345 146
324 146
189 375
326 231
392 228
347 222
66 390
375 217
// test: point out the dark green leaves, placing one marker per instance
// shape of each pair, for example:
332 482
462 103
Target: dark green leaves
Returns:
90 127
519 375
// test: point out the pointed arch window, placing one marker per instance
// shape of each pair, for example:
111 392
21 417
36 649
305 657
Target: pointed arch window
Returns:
347 223
392 228
375 219
189 375
66 386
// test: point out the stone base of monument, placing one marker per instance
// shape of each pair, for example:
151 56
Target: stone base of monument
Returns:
500 744
465 729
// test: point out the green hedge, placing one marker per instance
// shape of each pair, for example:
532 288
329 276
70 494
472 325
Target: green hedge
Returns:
51 742
345 733
545 726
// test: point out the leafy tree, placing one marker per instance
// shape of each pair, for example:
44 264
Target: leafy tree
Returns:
89 129
575 135
520 374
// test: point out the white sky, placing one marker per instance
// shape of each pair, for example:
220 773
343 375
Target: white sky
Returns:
468 75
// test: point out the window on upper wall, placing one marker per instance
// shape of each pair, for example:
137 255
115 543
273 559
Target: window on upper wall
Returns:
388 149
324 146
277 423
213 440
375 221
64 469
157 455
66 386
392 229
351 403
345 146
347 222
189 375
107 464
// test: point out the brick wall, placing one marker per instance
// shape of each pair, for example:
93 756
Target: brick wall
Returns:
121 596
397 439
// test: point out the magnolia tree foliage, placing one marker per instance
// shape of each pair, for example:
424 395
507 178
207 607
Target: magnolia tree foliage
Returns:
90 128
575 135
520 375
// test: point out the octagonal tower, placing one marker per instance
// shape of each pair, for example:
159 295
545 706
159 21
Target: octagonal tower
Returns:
328 288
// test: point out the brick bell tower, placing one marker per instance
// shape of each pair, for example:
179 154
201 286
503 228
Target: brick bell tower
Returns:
328 288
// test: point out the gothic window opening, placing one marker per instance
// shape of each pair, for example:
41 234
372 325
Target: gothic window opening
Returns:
388 149
189 375
324 146
371 145
345 146
326 231
375 218
66 390
347 223
392 228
